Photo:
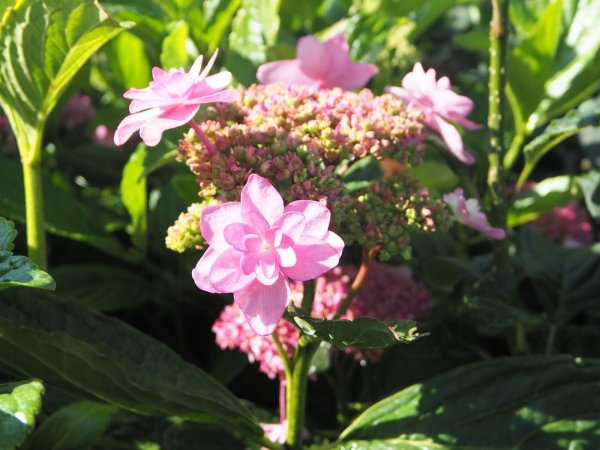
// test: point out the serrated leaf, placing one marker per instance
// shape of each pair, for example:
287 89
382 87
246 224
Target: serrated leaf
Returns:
77 426
19 404
567 281
533 403
134 196
362 332
65 215
18 270
102 287
543 197
43 44
87 353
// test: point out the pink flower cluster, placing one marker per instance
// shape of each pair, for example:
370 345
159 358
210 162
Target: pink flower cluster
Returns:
568 225
78 110
389 293
303 140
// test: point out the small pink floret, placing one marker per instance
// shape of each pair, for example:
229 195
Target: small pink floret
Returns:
257 245
172 99
466 211
321 65
440 106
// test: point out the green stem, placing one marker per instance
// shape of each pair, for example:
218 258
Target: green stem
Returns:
308 297
551 339
514 150
34 212
497 97
287 366
296 401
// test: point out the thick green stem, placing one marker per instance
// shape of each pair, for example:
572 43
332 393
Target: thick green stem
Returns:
296 401
34 212
497 97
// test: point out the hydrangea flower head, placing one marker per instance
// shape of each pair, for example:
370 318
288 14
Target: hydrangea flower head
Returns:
257 245
467 211
322 65
440 106
172 99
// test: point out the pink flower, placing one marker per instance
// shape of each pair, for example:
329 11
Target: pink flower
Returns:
256 245
321 65
440 106
275 432
104 136
468 213
172 99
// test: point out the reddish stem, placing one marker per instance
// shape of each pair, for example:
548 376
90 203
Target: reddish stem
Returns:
207 144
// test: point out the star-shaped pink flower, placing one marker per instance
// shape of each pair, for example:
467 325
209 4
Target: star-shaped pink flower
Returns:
440 106
322 65
257 244
172 99
468 212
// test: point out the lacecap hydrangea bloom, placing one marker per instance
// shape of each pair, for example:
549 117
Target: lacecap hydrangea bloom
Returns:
568 225
441 107
257 245
321 65
389 293
171 100
468 212
306 141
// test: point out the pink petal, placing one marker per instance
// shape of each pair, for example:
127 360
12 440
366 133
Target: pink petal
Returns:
453 141
315 257
235 234
262 305
267 271
158 74
226 96
226 273
132 123
352 77
316 215
152 130
209 64
214 221
202 270
195 69
400 93
287 72
335 241
315 59
219 81
259 196
287 256
292 223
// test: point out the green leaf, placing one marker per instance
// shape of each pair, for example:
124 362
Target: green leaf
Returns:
554 134
65 215
195 436
363 332
543 197
19 404
218 15
18 270
134 196
533 403
566 281
87 353
102 287
73 427
173 53
444 272
362 173
43 44
128 62
254 28
590 185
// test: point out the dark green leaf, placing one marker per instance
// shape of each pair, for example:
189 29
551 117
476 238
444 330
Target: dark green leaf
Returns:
18 270
74 427
218 15
365 169
196 436
65 214
134 196
90 354
363 332
590 185
19 404
543 197
533 403
567 281
101 287
43 44
444 272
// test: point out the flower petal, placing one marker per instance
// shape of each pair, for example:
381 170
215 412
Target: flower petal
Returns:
226 274
315 59
152 130
292 223
263 305
287 72
266 270
215 219
453 140
287 256
353 76
259 196
315 257
317 216
202 270
132 123
235 234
